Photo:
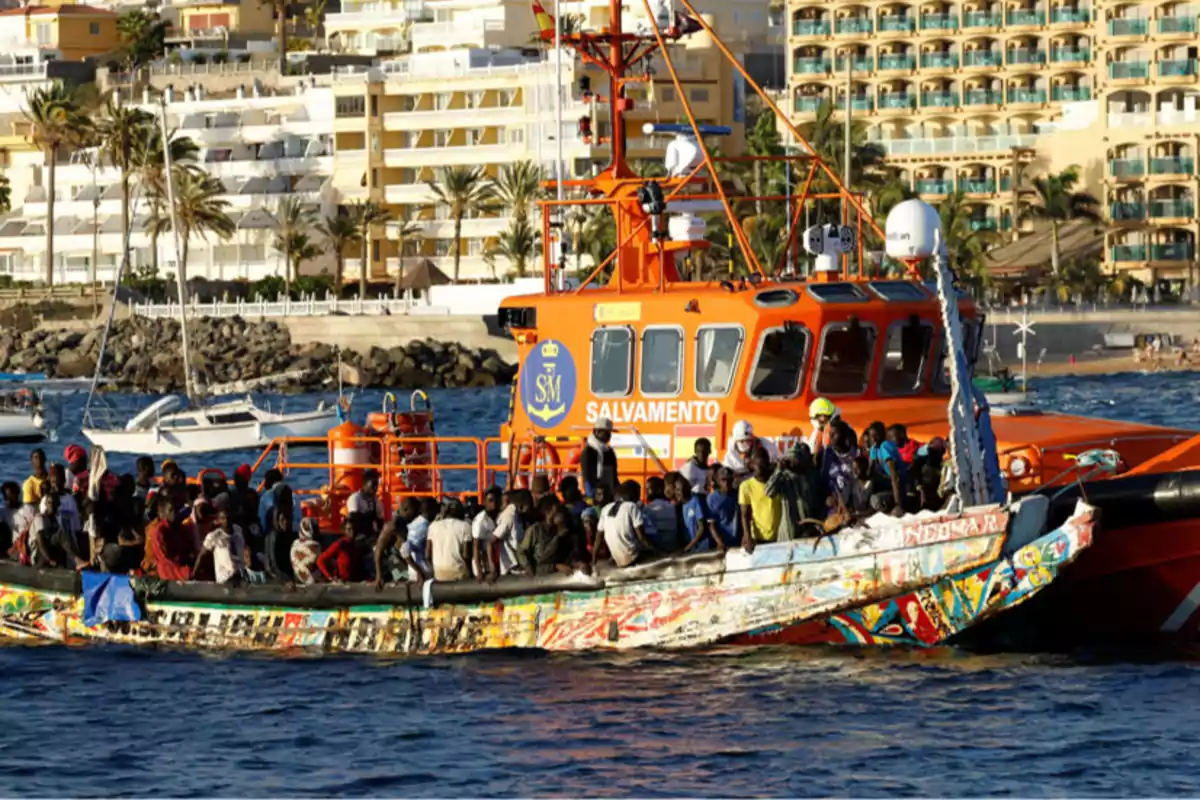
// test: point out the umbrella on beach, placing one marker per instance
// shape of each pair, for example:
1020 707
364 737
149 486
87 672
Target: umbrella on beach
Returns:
422 276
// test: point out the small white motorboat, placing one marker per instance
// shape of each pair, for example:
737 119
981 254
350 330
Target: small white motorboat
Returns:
19 425
168 428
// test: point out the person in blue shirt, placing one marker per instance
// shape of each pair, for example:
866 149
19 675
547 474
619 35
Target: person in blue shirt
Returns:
723 507
888 470
699 532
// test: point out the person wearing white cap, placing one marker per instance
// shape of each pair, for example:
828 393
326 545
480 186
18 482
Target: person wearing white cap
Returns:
598 461
742 444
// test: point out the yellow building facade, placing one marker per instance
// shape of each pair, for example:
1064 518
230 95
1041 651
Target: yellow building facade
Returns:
247 18
66 32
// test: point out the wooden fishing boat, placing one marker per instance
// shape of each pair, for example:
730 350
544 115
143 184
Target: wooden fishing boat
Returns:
688 602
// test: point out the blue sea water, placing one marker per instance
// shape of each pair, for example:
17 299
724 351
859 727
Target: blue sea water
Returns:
766 721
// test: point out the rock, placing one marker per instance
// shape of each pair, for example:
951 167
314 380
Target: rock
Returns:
75 364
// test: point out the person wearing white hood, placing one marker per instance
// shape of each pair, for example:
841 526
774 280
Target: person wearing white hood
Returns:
598 461
742 444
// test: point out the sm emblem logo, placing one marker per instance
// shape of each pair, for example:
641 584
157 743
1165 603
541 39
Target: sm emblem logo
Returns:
548 384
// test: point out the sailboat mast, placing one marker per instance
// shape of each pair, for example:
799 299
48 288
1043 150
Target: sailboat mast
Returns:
616 100
179 276
559 135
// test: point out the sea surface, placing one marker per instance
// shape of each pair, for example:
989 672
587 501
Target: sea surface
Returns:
766 721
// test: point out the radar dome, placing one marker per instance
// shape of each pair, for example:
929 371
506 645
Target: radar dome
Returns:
911 230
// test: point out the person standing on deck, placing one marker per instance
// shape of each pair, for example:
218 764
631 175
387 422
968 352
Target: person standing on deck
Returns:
449 549
742 445
363 508
413 549
696 468
598 461
821 413
761 513
35 485
243 506
305 552
510 529
166 555
389 561
699 531
624 527
889 473
661 515
483 529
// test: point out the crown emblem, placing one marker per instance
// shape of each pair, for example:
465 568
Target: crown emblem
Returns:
550 350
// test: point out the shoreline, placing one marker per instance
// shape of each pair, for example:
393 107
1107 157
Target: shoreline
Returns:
1107 365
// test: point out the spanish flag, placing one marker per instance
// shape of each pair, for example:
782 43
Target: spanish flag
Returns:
545 22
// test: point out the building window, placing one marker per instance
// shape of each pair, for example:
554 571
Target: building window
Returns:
94 28
349 107
374 176
376 145
845 363
779 365
612 361
375 251
374 105
699 95
717 350
42 33
516 136
668 94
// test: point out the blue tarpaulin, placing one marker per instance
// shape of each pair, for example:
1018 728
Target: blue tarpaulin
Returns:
108 598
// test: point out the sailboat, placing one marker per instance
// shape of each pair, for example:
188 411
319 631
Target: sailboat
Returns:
176 426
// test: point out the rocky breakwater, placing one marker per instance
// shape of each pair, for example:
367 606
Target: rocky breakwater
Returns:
146 355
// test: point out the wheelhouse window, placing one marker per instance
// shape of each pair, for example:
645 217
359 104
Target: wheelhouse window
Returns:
717 351
612 361
662 361
845 363
779 363
905 356
971 340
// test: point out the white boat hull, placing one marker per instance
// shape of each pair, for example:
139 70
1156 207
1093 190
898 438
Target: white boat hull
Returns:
18 426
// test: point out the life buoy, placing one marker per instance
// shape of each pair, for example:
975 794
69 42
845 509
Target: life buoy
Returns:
537 459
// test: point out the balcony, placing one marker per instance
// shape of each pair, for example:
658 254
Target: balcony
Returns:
939 100
1025 18
1127 167
810 66
857 64
810 27
982 97
1172 209
982 58
1129 70
1125 211
1016 96
1070 16
1171 165
1064 56
935 187
939 22
939 61
897 23
1026 56
980 19
977 186
1177 68
956 145
985 224
854 25
1070 94
807 105
857 104
1173 251
896 61
896 100
1127 27
1176 24
1128 252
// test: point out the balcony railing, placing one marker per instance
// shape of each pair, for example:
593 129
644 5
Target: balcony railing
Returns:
985 224
1026 95
856 104
854 25
1176 24
935 187
940 145
1176 68
897 23
1127 167
1172 251
1070 94
859 64
1125 70
939 22
1026 17
977 186
1069 16
894 100
1127 27
1024 55
939 60
810 66
810 27
939 100
807 105
1128 252
982 58
1172 209
1124 211
1171 165
1063 56
982 97
896 61
981 19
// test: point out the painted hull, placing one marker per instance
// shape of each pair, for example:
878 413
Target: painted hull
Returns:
212 438
934 614
697 601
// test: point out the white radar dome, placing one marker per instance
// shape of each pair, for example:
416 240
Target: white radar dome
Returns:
911 230
683 156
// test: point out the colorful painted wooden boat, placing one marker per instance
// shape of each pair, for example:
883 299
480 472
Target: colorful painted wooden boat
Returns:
691 602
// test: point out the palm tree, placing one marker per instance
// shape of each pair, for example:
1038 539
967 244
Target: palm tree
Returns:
600 235
569 24
406 231
143 38
57 116
340 231
768 239
827 136
314 17
119 133
366 216
465 191
762 139
280 7
1056 200
297 248
294 219
148 167
200 209
518 243
968 247
518 187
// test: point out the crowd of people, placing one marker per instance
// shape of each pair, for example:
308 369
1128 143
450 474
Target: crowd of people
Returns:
157 523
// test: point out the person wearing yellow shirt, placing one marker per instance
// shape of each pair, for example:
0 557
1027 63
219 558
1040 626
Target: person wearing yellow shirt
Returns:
36 484
761 513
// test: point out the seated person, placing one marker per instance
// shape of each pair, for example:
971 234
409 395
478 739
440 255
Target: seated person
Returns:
624 528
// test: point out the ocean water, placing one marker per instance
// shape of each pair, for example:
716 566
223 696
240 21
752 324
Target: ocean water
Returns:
764 721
